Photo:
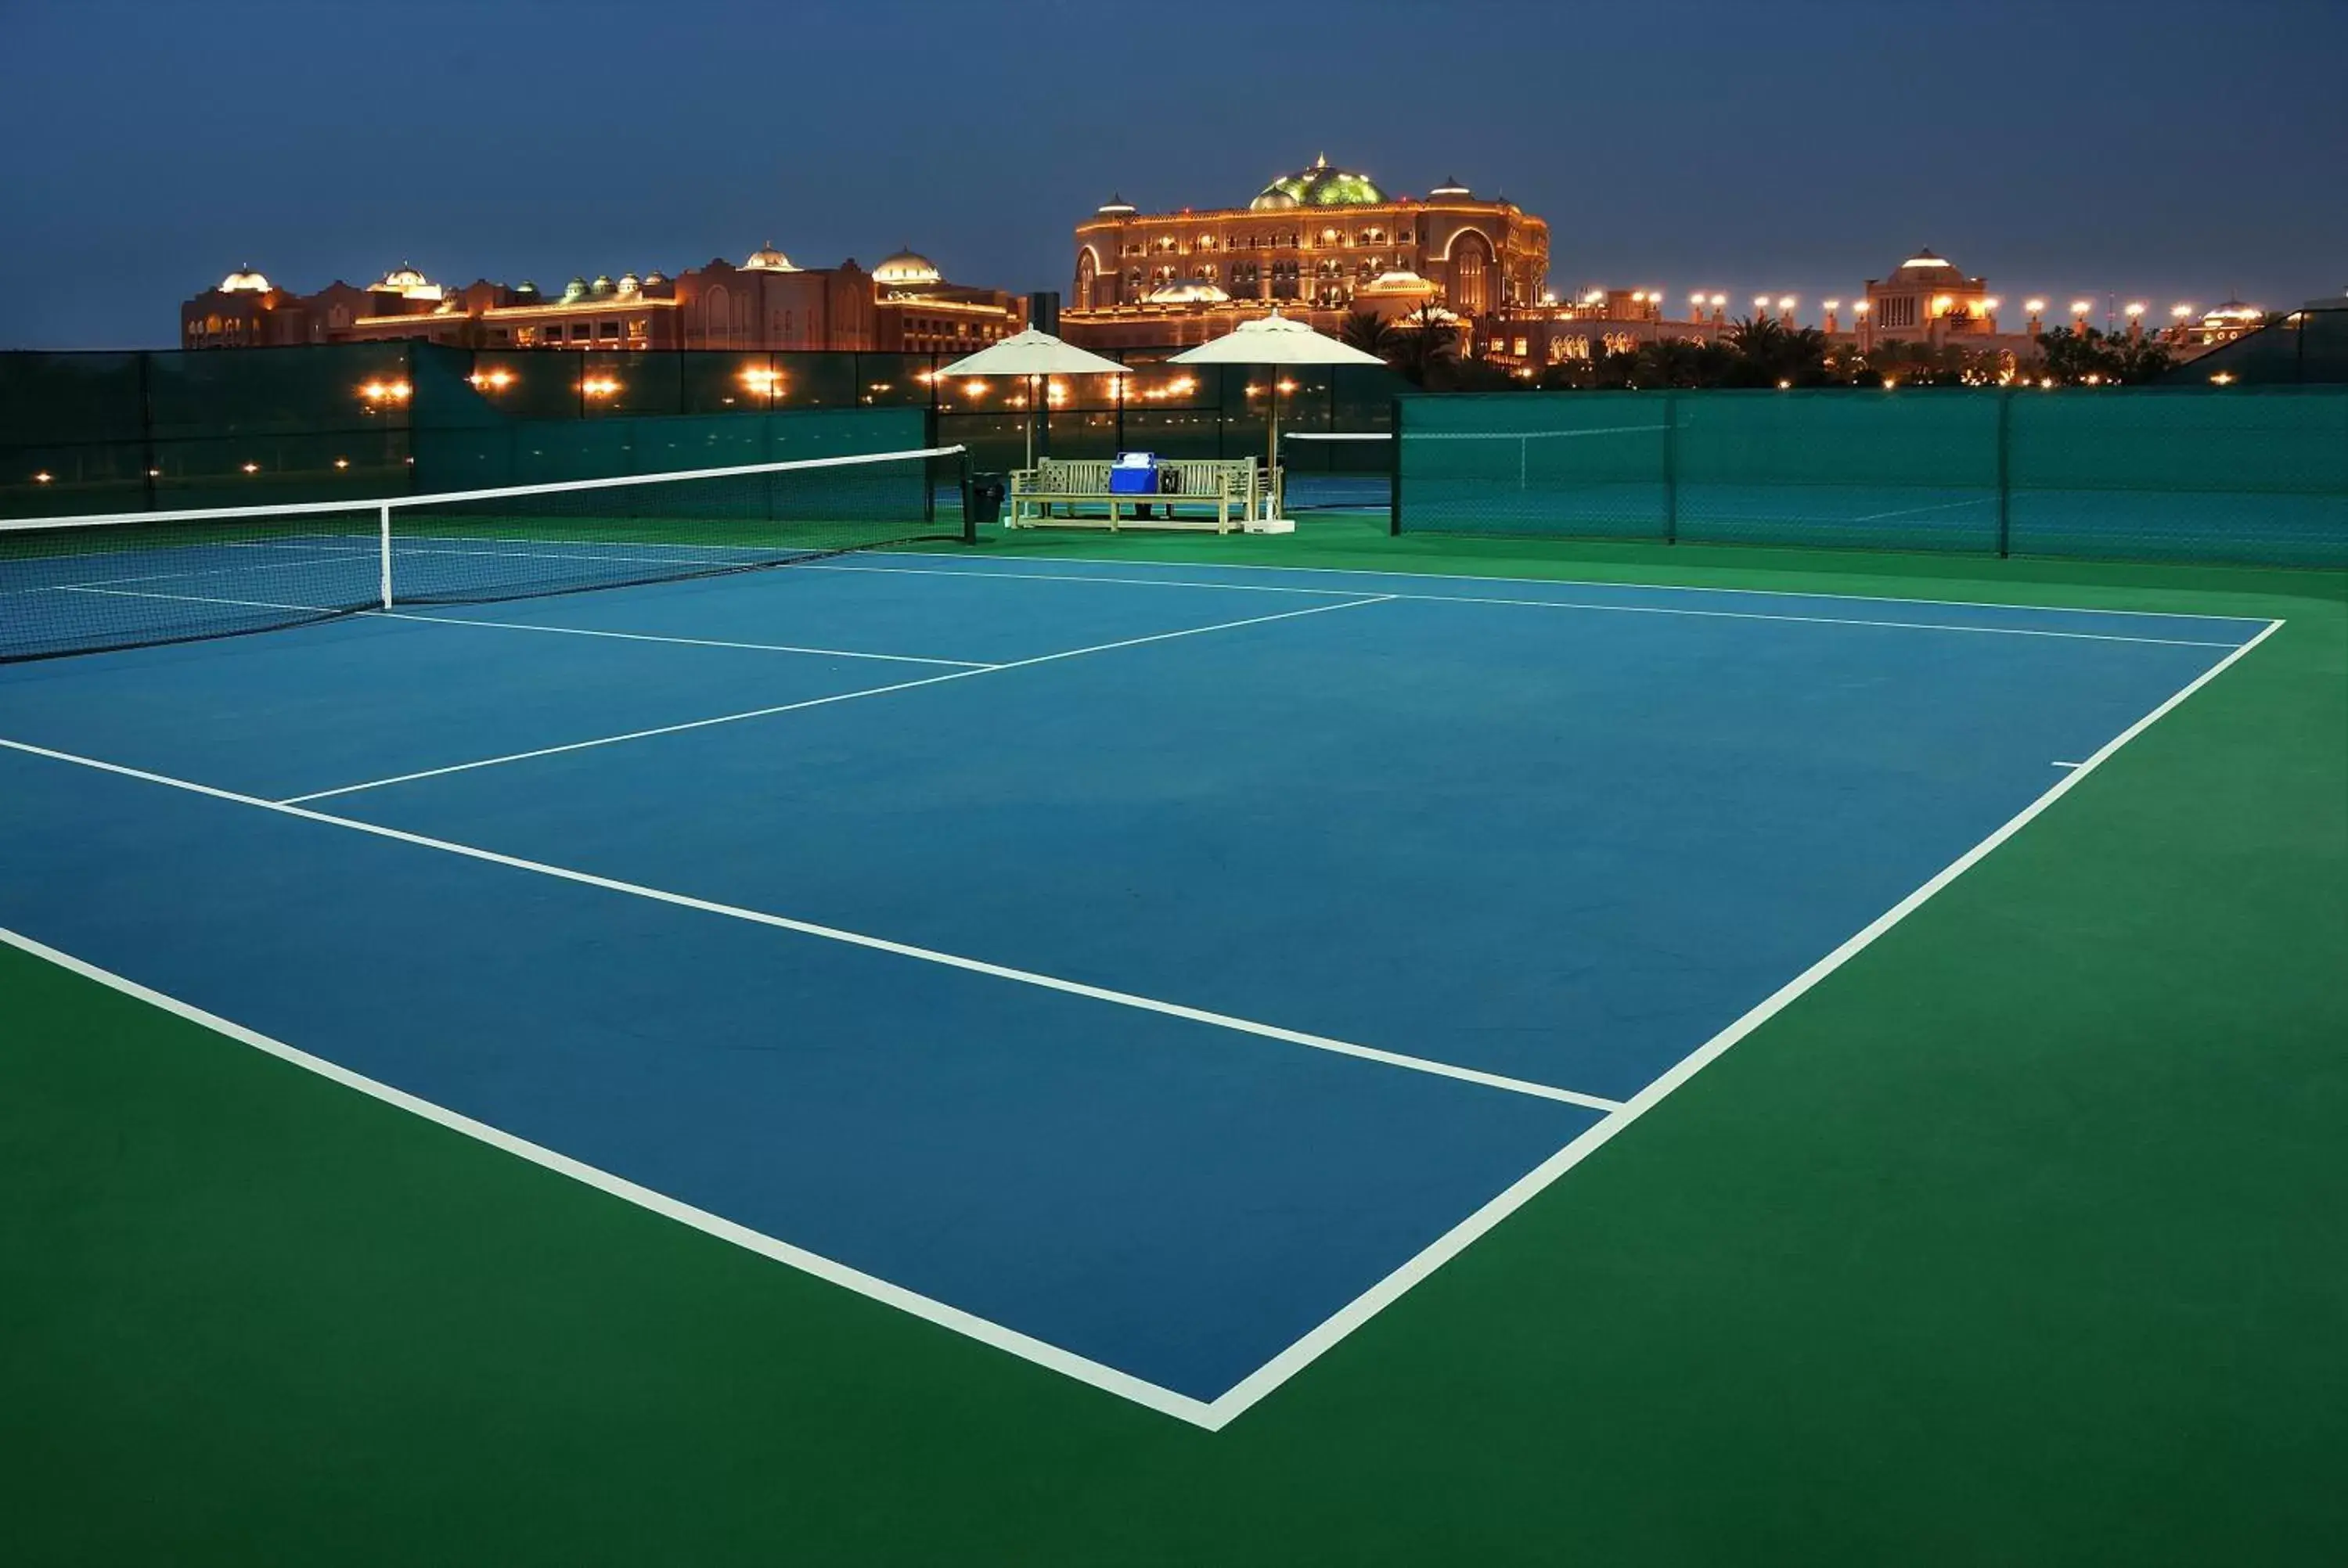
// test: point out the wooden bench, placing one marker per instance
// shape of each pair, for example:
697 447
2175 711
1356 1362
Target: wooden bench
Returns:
1217 492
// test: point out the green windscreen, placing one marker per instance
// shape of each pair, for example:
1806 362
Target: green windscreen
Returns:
2214 473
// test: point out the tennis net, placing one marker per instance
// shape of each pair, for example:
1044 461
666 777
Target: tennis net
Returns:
1336 470
88 584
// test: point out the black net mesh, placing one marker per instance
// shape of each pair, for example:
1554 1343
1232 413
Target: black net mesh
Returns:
85 585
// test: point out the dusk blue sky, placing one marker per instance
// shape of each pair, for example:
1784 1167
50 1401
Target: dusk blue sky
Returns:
2161 150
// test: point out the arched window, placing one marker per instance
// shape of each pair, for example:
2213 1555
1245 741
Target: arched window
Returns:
717 314
1085 281
1471 275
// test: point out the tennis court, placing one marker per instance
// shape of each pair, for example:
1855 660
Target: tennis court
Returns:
1152 968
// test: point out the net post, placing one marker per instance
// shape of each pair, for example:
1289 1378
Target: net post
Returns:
969 499
1393 468
383 516
2005 472
1671 466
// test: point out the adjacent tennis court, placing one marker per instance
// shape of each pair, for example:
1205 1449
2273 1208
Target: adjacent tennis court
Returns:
1177 970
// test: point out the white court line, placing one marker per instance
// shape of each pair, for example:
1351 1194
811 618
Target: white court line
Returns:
399 549
1108 1380
1911 511
1820 620
1234 1402
839 934
970 664
1589 582
1212 1416
861 571
101 582
1530 434
201 598
400 538
821 702
1573 604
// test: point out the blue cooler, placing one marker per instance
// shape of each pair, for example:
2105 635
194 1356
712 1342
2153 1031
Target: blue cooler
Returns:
1134 474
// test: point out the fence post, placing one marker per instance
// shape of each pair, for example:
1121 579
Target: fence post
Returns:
928 485
2005 472
1671 466
409 364
146 464
1393 469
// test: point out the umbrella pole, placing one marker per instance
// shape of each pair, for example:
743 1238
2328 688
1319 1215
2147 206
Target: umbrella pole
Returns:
1271 454
1031 422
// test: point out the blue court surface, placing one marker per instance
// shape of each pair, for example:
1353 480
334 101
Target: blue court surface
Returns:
1147 970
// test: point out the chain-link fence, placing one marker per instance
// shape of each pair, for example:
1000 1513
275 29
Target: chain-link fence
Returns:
139 430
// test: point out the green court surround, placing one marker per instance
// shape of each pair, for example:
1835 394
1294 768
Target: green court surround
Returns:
2020 1240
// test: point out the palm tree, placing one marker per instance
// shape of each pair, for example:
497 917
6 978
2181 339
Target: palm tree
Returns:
1618 367
1426 340
1672 362
1771 354
1756 337
1368 331
2140 360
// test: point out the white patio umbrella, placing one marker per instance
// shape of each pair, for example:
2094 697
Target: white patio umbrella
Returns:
1036 356
1276 341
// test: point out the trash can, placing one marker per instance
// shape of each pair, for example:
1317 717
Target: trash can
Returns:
987 492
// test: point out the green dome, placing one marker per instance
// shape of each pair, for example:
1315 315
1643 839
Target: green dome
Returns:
1319 186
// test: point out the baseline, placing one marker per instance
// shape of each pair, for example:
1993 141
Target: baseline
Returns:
1597 607
1597 583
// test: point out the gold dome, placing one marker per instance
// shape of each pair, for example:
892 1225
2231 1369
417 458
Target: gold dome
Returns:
906 270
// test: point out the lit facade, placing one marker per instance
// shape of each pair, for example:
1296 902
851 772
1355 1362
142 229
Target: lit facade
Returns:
1318 244
765 302
1926 300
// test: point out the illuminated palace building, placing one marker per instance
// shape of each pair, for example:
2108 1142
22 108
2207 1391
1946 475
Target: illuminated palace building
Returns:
1926 300
903 306
1317 243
